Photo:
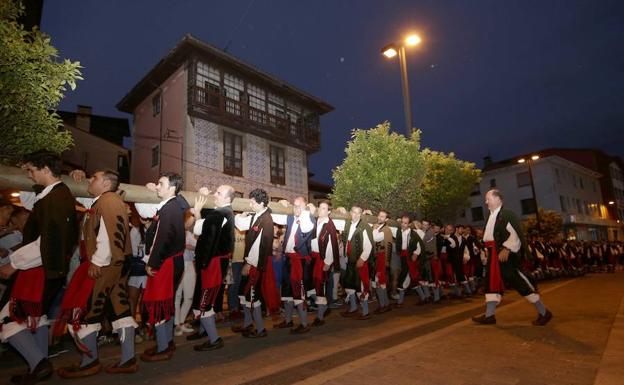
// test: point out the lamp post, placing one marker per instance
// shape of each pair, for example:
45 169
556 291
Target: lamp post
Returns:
392 50
529 161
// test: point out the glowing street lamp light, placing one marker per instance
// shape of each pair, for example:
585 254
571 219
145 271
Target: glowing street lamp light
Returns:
611 203
529 161
392 50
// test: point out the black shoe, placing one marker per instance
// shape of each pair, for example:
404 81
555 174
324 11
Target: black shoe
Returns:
543 319
483 320
318 322
42 372
196 336
300 329
254 334
283 325
206 346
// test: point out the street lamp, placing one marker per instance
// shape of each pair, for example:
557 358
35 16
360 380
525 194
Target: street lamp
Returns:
392 50
529 161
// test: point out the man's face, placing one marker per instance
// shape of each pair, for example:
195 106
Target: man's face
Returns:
98 185
163 189
448 230
298 206
37 175
356 214
221 196
426 225
492 202
382 217
459 230
255 206
436 229
323 210
405 222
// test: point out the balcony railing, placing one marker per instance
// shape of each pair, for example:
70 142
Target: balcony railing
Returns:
239 113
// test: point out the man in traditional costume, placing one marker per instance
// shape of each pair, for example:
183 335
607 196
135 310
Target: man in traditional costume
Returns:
38 269
504 238
98 288
257 282
382 235
409 246
297 271
325 255
357 242
165 242
213 252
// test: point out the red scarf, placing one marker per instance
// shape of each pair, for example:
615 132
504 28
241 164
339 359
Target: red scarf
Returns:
158 295
382 277
365 278
495 284
75 299
318 275
27 296
211 280
412 266
296 274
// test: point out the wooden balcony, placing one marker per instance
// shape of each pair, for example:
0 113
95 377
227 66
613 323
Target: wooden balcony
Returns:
212 105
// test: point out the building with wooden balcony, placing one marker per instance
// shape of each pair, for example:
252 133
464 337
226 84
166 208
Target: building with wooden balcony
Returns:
215 119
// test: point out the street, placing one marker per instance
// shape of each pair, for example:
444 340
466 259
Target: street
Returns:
414 345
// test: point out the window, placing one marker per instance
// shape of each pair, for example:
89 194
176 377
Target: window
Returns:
579 207
477 214
586 207
294 115
492 183
562 202
257 97
155 155
232 154
528 206
234 88
277 165
276 109
594 185
558 175
573 180
156 105
581 182
476 190
209 79
523 178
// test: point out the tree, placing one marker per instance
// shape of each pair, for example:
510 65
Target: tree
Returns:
551 225
32 83
446 186
382 170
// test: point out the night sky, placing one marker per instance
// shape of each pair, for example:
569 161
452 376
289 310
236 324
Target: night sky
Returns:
491 77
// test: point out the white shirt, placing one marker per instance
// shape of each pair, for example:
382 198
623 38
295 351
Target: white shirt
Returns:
512 243
244 224
405 242
148 210
328 258
302 221
29 255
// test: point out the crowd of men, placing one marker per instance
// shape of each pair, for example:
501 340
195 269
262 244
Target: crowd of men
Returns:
84 272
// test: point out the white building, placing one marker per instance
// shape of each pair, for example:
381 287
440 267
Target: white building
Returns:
561 185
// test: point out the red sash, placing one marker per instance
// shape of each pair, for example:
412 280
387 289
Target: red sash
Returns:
296 274
27 295
348 249
365 278
495 284
211 280
414 271
318 275
269 289
158 295
448 268
75 299
436 270
382 277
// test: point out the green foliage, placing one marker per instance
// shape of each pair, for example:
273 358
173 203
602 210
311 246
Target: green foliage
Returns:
32 83
382 170
447 185
551 225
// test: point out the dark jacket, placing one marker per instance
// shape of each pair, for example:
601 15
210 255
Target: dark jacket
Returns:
53 218
166 235
328 233
301 239
264 224
216 239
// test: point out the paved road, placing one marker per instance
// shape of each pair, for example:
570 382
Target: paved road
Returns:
415 345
